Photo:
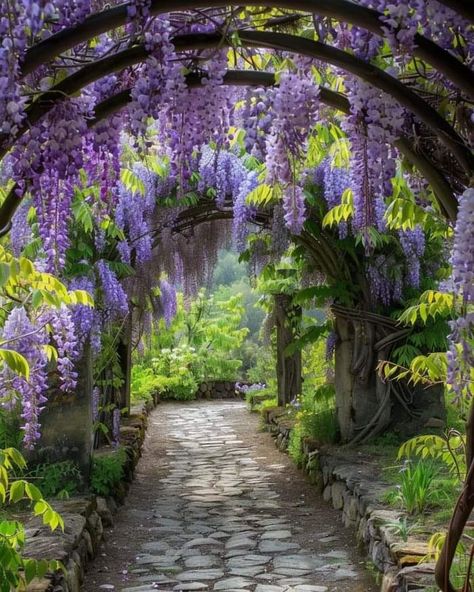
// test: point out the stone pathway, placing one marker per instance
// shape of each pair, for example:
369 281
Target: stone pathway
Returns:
216 507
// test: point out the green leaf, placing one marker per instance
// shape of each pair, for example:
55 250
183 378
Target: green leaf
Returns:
16 362
29 566
132 182
15 456
33 492
17 491
260 196
4 273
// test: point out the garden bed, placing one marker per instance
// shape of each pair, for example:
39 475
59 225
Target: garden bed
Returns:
86 517
351 481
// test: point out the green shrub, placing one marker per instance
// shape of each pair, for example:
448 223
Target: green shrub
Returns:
61 479
145 383
295 445
181 388
107 471
257 399
317 414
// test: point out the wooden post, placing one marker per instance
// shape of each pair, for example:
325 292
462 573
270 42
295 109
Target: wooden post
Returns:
288 366
124 350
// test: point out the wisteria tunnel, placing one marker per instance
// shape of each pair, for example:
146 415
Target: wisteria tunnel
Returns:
270 201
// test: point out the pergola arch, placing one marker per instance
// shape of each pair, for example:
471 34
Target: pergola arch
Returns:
440 185
320 248
279 41
341 59
331 98
343 10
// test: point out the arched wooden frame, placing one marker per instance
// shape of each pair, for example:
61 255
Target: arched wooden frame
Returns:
371 74
331 98
283 42
342 10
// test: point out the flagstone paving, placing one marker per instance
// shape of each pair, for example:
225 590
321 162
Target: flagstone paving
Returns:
216 507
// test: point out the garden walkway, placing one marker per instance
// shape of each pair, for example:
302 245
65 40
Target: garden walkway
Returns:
215 506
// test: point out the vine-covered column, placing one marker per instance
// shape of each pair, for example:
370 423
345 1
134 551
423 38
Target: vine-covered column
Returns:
367 405
287 317
66 422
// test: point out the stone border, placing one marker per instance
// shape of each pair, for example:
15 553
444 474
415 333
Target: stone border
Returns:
85 517
218 389
350 482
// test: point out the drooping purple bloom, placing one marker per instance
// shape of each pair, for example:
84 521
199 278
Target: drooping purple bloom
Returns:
67 347
169 302
30 341
115 301
294 208
461 352
413 245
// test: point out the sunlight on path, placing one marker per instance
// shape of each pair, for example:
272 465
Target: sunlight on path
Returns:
218 524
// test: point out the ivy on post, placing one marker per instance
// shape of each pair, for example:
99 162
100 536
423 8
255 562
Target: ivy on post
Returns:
288 319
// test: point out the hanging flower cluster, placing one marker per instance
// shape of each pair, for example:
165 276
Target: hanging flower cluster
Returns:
47 162
413 245
168 300
114 297
295 105
386 284
132 215
375 123
66 345
255 118
158 77
461 339
84 317
28 339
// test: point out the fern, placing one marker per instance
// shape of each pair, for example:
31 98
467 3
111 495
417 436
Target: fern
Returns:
260 196
132 182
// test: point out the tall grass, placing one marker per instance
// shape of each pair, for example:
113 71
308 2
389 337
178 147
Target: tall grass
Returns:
416 486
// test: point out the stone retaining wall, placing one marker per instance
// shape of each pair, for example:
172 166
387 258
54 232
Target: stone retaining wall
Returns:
84 518
351 482
217 389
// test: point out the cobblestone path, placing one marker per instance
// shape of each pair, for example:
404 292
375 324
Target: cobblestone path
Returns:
216 507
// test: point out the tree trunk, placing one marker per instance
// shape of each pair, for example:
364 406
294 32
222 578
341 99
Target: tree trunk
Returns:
460 518
288 366
366 404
